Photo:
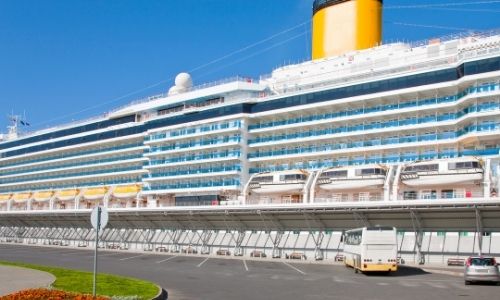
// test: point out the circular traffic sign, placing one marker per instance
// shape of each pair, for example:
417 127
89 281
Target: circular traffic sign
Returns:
99 216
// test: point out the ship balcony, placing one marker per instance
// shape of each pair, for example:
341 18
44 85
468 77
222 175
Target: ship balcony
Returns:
171 177
62 157
193 187
473 93
349 197
76 166
385 144
190 148
363 130
40 205
102 144
190 190
192 160
162 138
53 180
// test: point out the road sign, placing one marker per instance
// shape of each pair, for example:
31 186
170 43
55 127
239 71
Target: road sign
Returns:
99 214
99 219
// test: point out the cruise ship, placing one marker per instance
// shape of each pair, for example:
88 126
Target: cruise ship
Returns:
361 121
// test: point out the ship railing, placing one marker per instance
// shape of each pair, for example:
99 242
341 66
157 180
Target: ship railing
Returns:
194 88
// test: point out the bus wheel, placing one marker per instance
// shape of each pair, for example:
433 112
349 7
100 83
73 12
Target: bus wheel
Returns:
356 270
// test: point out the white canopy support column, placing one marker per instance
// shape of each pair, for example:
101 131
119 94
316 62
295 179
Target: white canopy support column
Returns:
487 179
419 236
395 183
107 196
78 198
479 230
307 188
318 240
312 188
387 184
52 201
238 238
276 252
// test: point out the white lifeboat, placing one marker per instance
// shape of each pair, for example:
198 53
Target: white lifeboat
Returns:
443 172
352 178
288 182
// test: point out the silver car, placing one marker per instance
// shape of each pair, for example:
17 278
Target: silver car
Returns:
481 268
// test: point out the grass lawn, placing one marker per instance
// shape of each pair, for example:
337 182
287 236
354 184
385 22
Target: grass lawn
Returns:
107 284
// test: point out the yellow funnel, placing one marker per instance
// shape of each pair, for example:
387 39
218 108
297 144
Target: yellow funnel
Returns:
340 26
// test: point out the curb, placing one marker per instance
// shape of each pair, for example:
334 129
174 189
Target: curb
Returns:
162 294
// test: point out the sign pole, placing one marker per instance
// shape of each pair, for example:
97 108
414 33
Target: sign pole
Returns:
99 210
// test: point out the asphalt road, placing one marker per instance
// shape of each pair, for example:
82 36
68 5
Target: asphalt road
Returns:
212 278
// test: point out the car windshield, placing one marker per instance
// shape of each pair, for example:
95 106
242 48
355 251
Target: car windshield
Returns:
482 262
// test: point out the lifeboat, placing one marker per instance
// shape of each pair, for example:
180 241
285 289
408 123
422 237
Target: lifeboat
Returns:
279 182
67 195
126 191
95 193
43 196
352 178
21 197
463 170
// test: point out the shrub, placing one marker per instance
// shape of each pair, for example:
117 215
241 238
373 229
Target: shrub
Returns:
45 294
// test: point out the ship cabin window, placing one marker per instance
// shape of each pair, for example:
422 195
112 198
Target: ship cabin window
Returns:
422 168
334 174
410 195
464 165
262 179
292 177
371 171
169 110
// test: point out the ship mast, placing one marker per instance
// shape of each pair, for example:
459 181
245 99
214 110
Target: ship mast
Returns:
12 129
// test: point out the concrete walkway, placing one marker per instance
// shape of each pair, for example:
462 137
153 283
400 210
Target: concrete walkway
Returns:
13 279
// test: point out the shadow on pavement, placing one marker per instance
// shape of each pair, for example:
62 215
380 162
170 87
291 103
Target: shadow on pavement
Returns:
403 271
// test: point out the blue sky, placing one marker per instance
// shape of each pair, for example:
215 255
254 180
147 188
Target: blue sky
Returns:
69 60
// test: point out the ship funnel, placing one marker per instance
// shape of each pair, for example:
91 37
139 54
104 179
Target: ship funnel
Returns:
340 26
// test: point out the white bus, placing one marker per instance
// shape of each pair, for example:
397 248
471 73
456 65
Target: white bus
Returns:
371 249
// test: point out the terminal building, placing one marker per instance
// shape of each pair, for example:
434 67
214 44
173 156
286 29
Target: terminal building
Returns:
362 122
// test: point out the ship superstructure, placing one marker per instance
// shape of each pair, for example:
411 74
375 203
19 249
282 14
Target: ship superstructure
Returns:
392 122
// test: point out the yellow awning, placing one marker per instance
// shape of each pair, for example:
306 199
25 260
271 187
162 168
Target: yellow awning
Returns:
5 197
21 196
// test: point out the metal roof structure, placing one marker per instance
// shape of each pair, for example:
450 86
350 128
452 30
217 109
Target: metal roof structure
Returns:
425 215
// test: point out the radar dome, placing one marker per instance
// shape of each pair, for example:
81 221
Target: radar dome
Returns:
183 80
173 90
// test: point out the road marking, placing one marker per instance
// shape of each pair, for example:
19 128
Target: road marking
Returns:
200 264
73 252
107 254
300 271
383 283
126 258
172 257
245 264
